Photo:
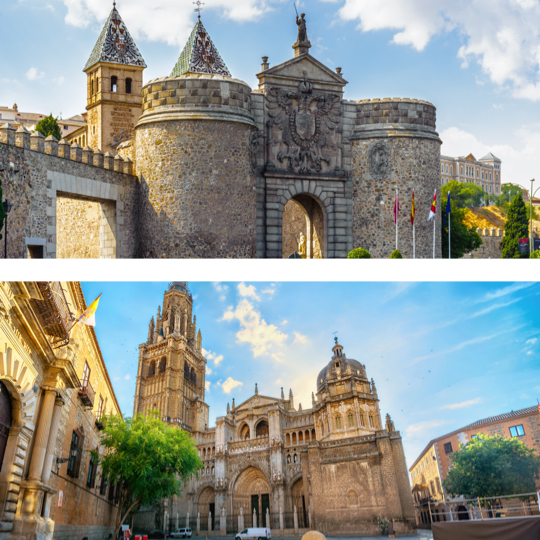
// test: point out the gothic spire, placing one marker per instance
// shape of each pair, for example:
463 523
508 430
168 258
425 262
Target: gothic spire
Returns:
115 45
200 55
256 390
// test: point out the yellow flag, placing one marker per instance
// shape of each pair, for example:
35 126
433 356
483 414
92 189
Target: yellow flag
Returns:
88 316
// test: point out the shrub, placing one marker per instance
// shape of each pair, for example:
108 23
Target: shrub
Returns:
359 253
535 254
396 254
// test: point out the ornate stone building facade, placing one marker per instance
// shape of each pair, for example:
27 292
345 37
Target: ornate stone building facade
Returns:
224 170
333 467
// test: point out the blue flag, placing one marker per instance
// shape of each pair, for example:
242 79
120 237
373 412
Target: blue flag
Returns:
447 209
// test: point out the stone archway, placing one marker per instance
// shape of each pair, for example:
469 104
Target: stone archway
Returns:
298 500
303 215
252 492
206 503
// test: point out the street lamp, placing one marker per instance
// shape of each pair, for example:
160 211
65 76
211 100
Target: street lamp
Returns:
7 209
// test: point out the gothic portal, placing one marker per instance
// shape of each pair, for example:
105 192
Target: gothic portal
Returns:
333 467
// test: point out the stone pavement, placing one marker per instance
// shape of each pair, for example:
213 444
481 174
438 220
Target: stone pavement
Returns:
421 535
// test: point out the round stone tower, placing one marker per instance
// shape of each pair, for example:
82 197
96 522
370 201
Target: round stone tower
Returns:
198 188
395 146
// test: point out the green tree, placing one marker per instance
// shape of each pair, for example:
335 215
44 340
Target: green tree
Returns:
508 192
359 253
516 227
146 459
49 126
492 466
396 254
463 239
535 254
2 212
464 195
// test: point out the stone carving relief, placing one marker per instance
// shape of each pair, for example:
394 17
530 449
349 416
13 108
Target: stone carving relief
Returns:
309 122
379 160
254 137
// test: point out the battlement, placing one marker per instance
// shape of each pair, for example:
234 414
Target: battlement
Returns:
490 232
36 142
396 111
208 95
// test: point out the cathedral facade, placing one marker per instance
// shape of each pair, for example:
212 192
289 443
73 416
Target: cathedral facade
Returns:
197 164
335 467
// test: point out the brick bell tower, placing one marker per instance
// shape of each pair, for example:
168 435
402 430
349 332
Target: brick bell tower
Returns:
171 373
114 86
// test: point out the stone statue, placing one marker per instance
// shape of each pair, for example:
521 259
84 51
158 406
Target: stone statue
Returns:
302 246
302 30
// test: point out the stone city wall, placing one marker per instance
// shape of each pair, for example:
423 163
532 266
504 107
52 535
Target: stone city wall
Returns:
202 203
395 146
47 169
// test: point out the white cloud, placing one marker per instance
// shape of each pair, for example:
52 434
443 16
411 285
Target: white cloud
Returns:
533 340
33 74
209 355
502 36
207 385
229 385
248 291
127 377
168 21
491 308
208 370
278 381
529 353
218 360
421 427
509 289
269 292
278 357
222 289
254 329
284 322
463 404
299 338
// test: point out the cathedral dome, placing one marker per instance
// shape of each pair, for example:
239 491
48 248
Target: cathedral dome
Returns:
341 366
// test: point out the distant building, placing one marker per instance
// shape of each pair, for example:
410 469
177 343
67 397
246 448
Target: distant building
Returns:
29 120
432 465
485 172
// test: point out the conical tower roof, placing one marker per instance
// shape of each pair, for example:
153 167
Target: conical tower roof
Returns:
200 55
115 45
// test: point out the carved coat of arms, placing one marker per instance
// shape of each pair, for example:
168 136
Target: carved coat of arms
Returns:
379 160
307 120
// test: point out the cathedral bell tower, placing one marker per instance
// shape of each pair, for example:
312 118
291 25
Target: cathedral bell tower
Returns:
172 369
114 86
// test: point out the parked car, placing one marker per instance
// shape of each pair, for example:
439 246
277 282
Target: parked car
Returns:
158 535
182 533
254 533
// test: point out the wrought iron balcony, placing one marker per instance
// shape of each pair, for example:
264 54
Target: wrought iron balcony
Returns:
53 312
87 394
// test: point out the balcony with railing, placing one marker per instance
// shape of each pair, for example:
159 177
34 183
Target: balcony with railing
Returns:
53 312
87 394
249 445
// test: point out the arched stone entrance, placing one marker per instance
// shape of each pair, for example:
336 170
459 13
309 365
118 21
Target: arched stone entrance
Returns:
304 217
298 500
205 504
5 420
252 492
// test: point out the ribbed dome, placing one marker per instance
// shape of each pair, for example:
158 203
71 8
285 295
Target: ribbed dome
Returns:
348 366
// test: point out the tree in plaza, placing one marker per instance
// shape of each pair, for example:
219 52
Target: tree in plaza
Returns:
463 239
516 227
49 126
491 467
464 195
146 459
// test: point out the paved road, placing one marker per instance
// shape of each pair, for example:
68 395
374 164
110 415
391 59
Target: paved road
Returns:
422 535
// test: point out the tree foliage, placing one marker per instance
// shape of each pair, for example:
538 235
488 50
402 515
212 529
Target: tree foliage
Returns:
359 253
535 254
464 195
146 459
508 192
491 467
463 239
49 126
396 254
516 227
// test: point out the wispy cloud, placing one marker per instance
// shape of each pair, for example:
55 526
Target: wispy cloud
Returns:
531 341
300 338
248 291
504 291
421 427
462 404
216 358
492 308
33 74
229 385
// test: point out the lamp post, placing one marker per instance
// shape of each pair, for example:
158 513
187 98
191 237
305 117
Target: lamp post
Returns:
7 209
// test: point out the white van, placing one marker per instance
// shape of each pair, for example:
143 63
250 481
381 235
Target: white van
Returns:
182 533
257 534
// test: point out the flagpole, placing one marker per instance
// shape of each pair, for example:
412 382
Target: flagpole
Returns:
434 221
413 243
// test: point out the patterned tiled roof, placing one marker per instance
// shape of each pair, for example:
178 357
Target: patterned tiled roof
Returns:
505 416
200 55
115 45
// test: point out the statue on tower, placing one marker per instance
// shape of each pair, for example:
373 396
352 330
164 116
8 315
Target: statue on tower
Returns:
302 28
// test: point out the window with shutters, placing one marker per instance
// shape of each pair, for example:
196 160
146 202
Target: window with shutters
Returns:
103 486
75 453
91 478
448 448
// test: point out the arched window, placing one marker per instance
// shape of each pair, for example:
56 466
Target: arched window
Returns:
162 365
301 437
213 470
461 169
128 86
152 369
350 419
262 429
352 498
92 87
288 439
338 422
295 459
307 435
371 421
244 432
114 83
288 458
294 438
313 436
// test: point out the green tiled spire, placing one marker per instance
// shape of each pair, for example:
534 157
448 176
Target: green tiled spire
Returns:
115 45
200 55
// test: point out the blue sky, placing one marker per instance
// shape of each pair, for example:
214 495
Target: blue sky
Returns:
476 60
442 354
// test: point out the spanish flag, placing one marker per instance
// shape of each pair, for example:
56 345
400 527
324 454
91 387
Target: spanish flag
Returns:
412 209
433 210
88 316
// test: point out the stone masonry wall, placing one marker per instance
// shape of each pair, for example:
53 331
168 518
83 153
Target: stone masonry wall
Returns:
294 222
45 168
202 204
77 229
406 128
